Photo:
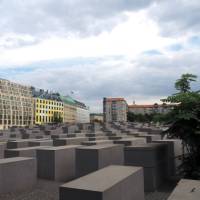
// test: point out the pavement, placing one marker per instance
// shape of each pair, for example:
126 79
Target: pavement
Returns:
49 190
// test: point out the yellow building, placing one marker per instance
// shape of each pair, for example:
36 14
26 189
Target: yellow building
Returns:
46 110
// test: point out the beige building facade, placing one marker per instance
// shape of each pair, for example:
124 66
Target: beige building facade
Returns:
16 105
70 109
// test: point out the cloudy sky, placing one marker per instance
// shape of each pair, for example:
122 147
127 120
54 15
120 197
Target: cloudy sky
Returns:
122 48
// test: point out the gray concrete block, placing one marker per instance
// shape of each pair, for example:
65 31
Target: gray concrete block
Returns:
40 143
110 183
97 142
17 144
56 163
150 138
57 136
97 138
17 174
95 134
186 190
13 144
92 158
152 157
174 151
69 141
21 152
64 135
146 155
131 141
118 137
2 148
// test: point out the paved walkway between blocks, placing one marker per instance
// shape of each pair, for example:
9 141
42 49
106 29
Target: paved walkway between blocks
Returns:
162 193
49 190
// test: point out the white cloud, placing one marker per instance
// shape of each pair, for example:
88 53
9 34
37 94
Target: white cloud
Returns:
99 48
130 38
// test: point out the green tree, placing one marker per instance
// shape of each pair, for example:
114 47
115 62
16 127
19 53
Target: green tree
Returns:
183 84
130 117
185 124
57 118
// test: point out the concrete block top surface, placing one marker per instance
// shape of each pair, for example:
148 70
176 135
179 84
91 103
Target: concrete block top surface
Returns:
26 140
40 140
169 140
148 146
100 146
58 148
186 190
103 179
130 139
73 138
15 159
97 141
27 148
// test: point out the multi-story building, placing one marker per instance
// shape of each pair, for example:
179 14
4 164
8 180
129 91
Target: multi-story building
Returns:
96 117
82 113
150 108
48 107
24 106
16 105
115 109
70 109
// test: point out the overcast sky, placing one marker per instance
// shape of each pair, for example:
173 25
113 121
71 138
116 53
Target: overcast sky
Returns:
134 49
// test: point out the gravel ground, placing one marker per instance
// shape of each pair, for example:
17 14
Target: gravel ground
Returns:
48 190
44 190
162 193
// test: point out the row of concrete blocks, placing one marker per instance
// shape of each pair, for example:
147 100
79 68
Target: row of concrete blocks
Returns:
112 182
68 162
89 139
27 148
53 163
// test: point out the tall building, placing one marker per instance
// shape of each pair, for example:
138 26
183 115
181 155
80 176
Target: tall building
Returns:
70 109
82 113
16 105
115 109
48 107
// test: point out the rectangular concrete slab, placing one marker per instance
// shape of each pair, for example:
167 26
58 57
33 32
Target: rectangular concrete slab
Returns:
174 151
95 134
186 190
56 163
131 141
40 143
92 158
2 148
13 144
69 141
17 174
97 138
22 152
146 155
97 142
109 183
152 157
150 138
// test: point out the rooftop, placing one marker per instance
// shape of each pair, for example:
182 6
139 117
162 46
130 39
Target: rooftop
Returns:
114 99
